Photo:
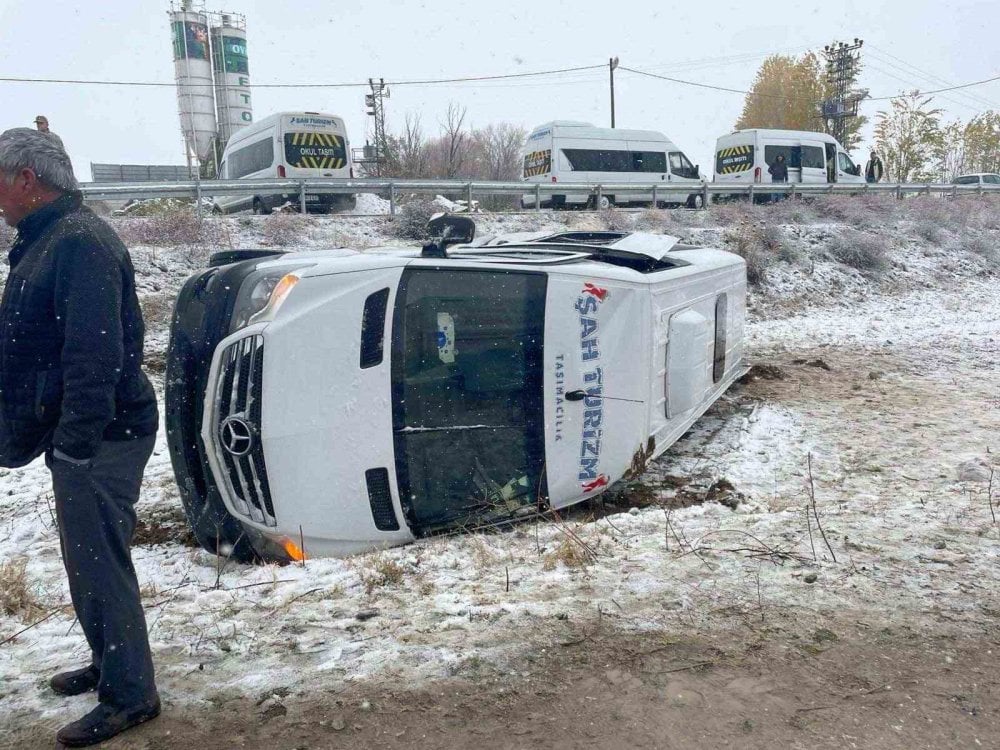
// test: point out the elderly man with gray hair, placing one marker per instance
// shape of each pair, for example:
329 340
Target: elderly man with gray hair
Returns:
72 388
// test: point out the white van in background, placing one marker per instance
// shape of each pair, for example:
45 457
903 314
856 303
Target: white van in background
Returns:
288 144
743 157
562 151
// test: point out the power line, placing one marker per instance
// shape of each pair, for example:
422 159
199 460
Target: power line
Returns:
960 102
911 70
424 82
468 79
927 75
794 98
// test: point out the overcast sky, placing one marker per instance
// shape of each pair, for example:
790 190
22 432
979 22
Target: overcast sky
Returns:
908 44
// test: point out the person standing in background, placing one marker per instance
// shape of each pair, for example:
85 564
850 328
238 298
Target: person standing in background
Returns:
779 173
42 123
874 169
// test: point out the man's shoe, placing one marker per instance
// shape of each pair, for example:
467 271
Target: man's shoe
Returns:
104 722
77 681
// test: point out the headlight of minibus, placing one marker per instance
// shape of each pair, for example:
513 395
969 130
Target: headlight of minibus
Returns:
262 293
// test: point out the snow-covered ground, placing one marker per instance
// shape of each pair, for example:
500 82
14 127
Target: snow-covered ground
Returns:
880 398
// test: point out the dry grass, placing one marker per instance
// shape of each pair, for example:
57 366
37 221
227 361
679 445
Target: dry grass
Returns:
862 251
379 572
157 309
986 248
179 228
759 244
569 552
17 596
616 221
282 229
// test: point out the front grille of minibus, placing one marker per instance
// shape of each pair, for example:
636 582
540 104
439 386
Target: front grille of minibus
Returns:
238 404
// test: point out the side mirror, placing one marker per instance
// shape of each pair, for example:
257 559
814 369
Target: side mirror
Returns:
451 230
446 230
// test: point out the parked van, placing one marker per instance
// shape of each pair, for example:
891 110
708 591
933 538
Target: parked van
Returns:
566 152
288 144
743 157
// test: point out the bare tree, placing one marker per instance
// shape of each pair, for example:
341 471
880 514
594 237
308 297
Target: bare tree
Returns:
496 149
407 155
455 140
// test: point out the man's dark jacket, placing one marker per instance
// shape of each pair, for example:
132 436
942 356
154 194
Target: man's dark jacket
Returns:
70 339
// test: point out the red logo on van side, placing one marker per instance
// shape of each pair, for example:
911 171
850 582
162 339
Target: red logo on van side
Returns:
595 484
596 291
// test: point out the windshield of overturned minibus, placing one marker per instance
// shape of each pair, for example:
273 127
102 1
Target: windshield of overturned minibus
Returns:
467 387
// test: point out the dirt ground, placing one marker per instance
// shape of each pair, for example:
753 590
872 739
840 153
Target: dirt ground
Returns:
867 678
757 687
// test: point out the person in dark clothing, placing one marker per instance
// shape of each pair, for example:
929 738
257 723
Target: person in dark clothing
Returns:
42 124
72 387
779 173
874 169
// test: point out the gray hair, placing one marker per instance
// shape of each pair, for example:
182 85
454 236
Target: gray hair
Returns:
25 148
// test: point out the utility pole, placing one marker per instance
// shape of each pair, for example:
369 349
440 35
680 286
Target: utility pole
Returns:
612 64
375 104
842 68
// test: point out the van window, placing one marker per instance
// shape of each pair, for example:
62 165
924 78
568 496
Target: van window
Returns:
681 166
249 159
734 159
812 157
845 163
598 160
991 179
649 161
973 180
467 382
792 154
315 151
538 163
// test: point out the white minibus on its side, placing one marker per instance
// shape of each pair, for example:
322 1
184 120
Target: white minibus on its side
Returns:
568 152
288 144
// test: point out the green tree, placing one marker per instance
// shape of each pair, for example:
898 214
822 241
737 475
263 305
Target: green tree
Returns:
910 139
981 140
786 94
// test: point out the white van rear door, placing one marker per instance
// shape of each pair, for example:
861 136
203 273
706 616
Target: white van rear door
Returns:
813 162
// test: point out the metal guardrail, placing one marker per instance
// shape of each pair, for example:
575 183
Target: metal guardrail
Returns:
540 191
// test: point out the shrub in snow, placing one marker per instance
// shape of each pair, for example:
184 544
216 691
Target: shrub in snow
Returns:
929 231
281 229
859 250
730 214
984 247
653 220
758 244
175 228
849 209
615 221
411 220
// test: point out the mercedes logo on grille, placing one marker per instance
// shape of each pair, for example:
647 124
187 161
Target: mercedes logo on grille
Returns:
236 435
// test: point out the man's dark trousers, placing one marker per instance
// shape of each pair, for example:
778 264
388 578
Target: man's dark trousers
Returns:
95 508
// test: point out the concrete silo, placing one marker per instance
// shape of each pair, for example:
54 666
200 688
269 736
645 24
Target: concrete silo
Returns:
232 74
193 72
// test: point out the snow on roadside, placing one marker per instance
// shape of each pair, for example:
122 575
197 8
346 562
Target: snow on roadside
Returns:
434 608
